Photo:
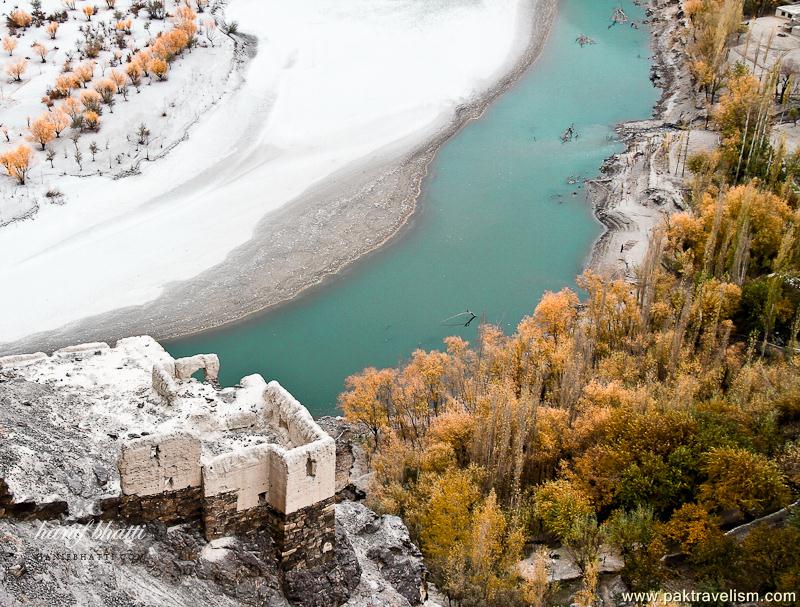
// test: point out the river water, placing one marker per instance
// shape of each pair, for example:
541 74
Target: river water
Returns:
498 224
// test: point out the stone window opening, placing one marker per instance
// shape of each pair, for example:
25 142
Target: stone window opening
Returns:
262 497
155 451
311 467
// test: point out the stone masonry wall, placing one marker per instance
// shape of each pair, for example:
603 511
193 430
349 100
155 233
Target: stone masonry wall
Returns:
221 516
305 538
28 510
171 507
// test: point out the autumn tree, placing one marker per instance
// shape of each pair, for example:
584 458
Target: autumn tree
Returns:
134 72
73 108
557 312
494 553
59 119
118 78
84 72
17 162
52 29
636 534
741 480
16 69
713 23
587 595
91 100
106 88
41 50
20 18
63 85
42 130
445 515
159 67
561 506
91 119
367 401
9 44
744 116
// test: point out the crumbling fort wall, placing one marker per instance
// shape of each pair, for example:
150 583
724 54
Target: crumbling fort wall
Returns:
283 486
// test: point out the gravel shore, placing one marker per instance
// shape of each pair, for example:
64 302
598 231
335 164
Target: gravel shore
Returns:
641 186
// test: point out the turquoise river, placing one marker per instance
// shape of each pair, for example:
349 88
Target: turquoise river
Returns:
497 225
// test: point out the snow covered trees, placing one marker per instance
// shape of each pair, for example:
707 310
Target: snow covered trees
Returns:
17 162
103 49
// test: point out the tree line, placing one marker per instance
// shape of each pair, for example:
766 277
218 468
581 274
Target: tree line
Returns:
645 419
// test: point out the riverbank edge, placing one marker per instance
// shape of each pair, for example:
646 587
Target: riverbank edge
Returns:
239 289
631 197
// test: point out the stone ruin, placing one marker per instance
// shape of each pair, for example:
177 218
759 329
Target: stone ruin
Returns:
128 434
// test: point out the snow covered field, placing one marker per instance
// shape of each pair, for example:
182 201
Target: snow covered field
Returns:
332 85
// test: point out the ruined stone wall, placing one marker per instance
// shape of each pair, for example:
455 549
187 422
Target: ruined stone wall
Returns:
236 489
160 476
305 474
164 382
28 510
160 463
221 517
288 491
286 413
169 507
244 472
284 485
187 366
306 537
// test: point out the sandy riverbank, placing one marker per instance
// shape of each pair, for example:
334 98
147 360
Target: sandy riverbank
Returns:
641 186
349 212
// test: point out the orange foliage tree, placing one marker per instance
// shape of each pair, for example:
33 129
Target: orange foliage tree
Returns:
16 69
9 44
42 130
17 162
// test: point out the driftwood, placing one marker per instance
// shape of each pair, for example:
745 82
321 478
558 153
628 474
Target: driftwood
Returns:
569 134
618 16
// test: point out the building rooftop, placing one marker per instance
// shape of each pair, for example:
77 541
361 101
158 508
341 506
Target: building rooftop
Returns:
788 10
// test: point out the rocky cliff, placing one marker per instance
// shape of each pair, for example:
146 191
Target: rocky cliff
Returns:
375 564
